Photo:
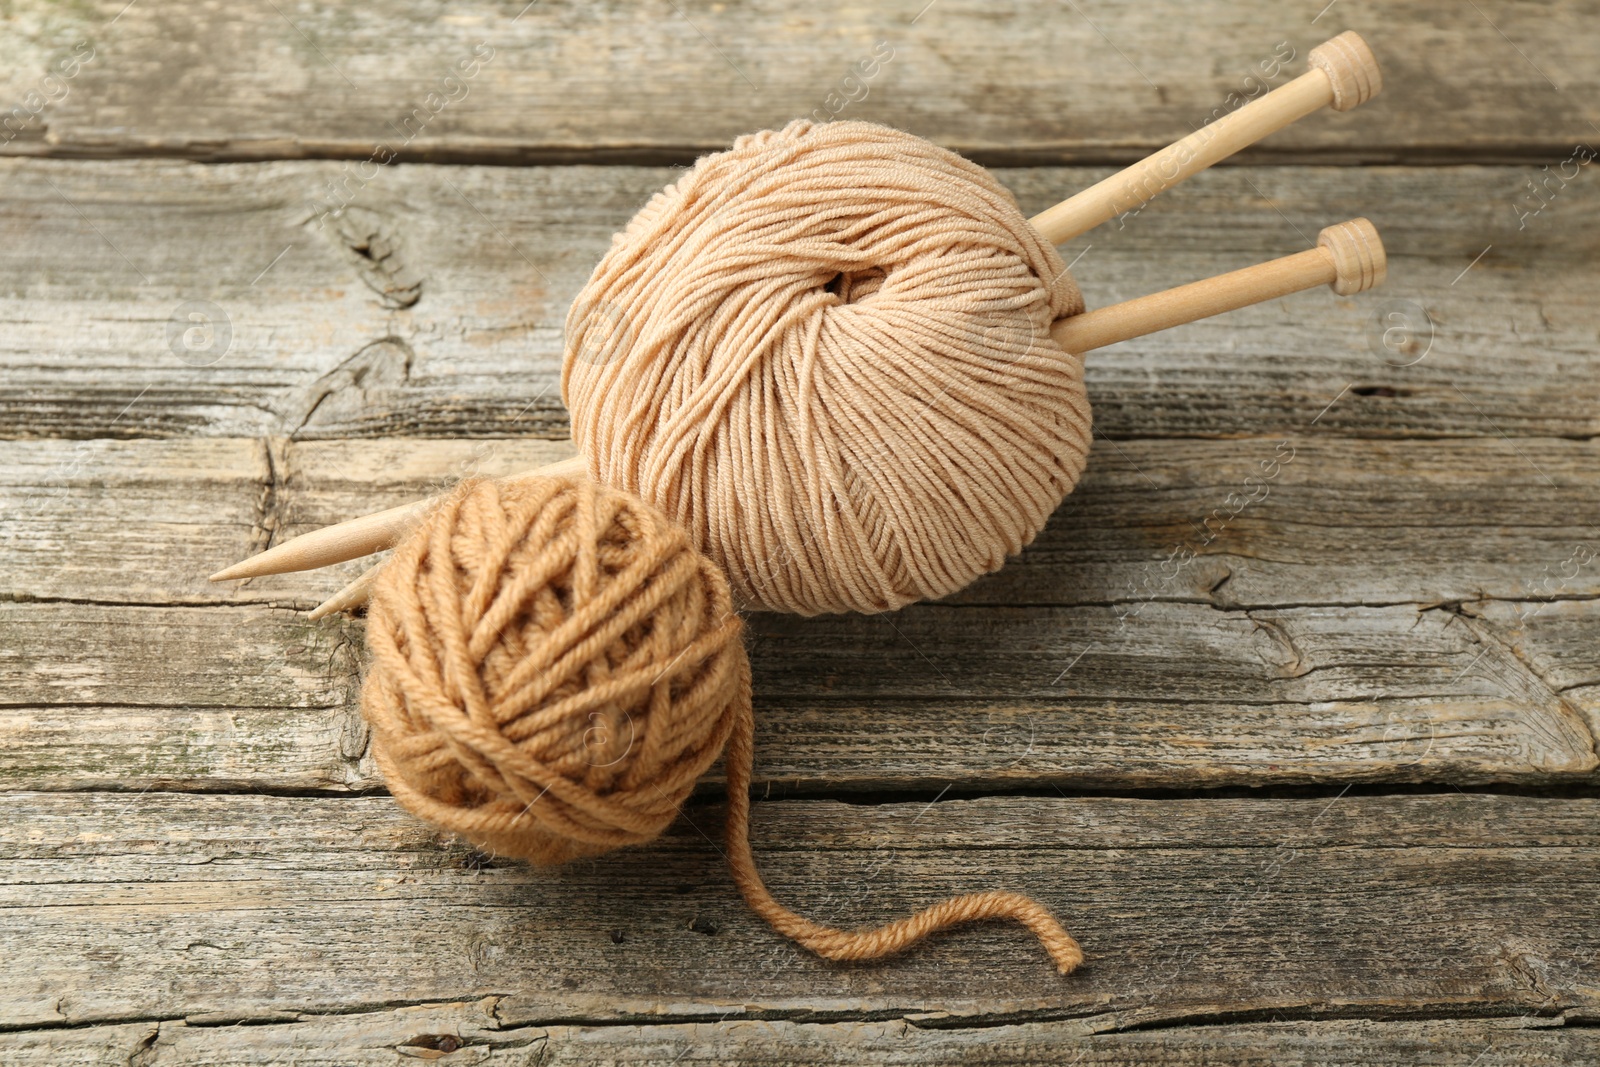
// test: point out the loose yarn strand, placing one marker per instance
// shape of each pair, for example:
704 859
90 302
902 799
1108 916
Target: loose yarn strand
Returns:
873 943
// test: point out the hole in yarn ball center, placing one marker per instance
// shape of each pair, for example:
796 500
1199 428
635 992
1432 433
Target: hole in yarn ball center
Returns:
856 287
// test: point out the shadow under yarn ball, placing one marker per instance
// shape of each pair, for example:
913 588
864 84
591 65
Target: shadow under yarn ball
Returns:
826 353
553 668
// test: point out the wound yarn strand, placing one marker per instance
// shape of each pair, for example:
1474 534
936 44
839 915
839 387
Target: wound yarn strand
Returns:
826 354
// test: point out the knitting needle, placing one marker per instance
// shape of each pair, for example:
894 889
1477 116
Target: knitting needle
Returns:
1344 74
1348 257
353 538
351 596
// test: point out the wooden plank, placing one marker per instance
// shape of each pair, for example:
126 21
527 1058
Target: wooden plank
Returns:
434 307
1279 672
1236 523
145 521
1424 698
1300 643
494 82
469 1033
238 907
1186 695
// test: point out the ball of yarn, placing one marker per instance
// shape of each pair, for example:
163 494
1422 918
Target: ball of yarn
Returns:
826 353
553 667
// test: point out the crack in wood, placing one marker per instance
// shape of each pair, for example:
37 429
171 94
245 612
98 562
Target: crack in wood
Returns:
268 518
1128 1020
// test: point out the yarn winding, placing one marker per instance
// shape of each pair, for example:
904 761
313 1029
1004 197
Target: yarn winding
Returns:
554 665
826 354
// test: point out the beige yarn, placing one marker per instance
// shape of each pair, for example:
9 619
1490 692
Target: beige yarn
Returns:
553 666
826 354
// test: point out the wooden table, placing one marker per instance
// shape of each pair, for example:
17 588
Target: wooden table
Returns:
1307 761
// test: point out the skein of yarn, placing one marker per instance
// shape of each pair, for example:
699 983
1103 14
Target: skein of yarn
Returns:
554 666
826 353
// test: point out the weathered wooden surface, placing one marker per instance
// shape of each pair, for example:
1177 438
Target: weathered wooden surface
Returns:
568 80
1399 652
249 697
322 342
470 1034
238 908
1307 760
1341 521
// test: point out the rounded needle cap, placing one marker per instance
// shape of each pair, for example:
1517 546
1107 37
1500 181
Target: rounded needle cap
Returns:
1357 253
1351 68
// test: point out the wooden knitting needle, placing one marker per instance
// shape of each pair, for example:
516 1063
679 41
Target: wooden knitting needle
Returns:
353 538
351 596
1344 74
1349 257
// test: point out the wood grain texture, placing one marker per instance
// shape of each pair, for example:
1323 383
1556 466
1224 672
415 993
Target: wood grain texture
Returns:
1320 632
469 1033
1235 524
1192 695
145 521
434 307
239 908
1323 611
566 80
